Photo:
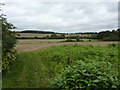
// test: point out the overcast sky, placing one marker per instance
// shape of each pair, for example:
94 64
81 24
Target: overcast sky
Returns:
62 16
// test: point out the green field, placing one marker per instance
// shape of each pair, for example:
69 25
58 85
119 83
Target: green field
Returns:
45 68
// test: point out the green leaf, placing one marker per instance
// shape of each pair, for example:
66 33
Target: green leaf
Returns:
114 86
94 85
99 73
96 81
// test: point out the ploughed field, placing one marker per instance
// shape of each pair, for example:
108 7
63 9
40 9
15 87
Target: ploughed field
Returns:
64 66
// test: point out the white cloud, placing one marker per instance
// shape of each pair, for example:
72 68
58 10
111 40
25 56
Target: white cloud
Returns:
62 16
60 0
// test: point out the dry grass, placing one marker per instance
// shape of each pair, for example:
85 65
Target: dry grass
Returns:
83 35
32 35
44 35
40 40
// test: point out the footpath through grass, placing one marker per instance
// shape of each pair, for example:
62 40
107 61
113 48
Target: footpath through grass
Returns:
30 71
36 68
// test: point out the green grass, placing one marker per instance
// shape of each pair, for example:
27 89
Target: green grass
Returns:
34 69
30 70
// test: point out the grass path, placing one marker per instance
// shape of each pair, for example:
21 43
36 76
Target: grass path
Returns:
29 71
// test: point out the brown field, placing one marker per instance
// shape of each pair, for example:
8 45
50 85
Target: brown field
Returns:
38 46
84 35
39 40
44 35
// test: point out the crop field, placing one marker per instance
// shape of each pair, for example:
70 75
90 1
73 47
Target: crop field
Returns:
38 44
85 35
37 41
44 35
32 35
65 66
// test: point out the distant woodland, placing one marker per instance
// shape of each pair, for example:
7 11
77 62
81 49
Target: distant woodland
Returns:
103 35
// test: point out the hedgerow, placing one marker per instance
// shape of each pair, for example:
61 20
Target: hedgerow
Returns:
8 43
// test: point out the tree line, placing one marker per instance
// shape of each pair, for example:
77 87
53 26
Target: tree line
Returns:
103 35
37 32
113 35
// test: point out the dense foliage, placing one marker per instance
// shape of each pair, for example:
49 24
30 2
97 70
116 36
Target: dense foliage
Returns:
8 42
87 67
113 35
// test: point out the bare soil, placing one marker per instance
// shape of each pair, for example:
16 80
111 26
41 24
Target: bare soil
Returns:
31 47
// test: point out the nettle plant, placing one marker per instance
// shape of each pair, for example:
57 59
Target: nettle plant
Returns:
86 75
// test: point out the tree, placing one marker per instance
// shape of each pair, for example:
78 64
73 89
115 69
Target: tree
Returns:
53 35
109 35
8 37
77 39
62 35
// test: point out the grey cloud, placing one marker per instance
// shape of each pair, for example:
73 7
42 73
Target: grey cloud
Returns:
64 16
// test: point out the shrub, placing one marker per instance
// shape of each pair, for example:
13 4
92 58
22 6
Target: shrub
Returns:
77 39
112 45
8 43
7 59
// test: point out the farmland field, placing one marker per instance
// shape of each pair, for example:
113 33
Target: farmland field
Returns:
36 44
44 35
37 41
40 62
59 45
32 35
45 68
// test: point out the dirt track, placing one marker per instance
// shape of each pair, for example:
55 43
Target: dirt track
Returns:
31 47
